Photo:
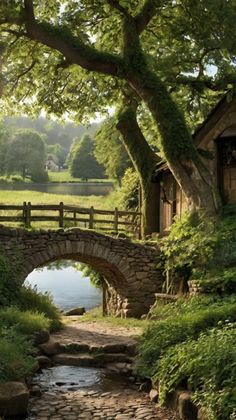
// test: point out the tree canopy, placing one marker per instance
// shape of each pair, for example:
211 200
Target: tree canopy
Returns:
83 162
79 57
26 155
110 152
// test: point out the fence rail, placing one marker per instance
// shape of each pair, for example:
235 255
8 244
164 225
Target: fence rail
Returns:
66 215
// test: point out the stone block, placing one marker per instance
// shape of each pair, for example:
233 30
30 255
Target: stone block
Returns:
14 399
50 348
40 337
153 395
186 408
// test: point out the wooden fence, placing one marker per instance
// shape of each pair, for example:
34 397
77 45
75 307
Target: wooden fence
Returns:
66 216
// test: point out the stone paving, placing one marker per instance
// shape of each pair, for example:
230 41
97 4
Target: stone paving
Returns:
83 404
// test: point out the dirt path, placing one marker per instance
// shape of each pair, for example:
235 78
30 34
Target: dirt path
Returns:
120 403
96 333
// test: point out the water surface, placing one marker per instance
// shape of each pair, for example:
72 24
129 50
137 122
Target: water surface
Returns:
73 378
67 188
69 288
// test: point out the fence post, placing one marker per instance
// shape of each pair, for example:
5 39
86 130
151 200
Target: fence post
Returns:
74 215
91 217
140 226
24 210
61 215
116 219
28 214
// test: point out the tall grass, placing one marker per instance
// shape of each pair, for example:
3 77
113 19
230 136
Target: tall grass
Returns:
31 299
24 322
15 359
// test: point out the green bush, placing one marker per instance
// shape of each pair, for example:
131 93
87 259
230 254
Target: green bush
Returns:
201 249
183 306
189 245
9 284
15 359
208 365
128 196
177 328
24 322
217 280
30 298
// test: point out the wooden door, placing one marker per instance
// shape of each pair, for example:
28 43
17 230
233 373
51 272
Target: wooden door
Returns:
227 168
168 200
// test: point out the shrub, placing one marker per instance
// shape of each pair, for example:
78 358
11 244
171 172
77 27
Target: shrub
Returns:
15 359
9 284
161 335
186 305
129 190
31 299
24 322
199 249
190 244
209 367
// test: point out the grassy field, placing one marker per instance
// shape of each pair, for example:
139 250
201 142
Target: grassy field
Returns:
18 197
35 197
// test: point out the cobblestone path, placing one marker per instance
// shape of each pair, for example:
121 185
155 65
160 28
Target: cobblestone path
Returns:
93 405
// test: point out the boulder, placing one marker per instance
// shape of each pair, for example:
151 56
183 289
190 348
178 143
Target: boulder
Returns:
40 337
14 399
153 395
50 348
44 361
74 359
35 391
75 311
187 409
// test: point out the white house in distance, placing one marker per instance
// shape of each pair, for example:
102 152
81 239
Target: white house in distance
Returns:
51 163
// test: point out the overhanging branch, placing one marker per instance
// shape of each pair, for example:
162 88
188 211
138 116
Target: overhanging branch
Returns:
146 14
116 5
29 9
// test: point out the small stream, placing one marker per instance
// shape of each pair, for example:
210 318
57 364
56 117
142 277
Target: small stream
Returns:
64 388
74 378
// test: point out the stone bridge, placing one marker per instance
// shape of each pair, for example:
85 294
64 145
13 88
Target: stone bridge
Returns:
129 269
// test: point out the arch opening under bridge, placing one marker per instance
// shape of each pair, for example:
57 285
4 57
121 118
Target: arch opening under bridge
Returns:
128 268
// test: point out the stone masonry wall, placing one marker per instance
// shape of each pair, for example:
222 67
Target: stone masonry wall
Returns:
129 268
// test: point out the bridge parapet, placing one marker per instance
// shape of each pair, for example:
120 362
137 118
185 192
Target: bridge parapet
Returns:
129 269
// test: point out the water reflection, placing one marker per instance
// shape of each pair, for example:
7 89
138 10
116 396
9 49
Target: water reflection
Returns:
83 188
69 287
74 378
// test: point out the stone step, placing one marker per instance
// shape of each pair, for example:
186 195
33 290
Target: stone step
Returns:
80 347
88 359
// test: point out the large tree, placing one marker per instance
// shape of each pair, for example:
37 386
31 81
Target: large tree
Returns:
26 155
83 163
4 140
150 46
109 150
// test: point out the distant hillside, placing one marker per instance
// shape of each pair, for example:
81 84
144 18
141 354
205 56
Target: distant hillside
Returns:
53 131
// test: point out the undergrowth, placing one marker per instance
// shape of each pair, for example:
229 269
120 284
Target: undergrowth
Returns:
16 361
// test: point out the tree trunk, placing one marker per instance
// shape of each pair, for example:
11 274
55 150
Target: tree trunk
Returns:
177 145
144 161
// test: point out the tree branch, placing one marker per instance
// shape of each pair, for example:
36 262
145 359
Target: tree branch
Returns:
146 14
204 83
73 49
116 5
23 73
29 9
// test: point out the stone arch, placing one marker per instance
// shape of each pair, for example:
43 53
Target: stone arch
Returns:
129 268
